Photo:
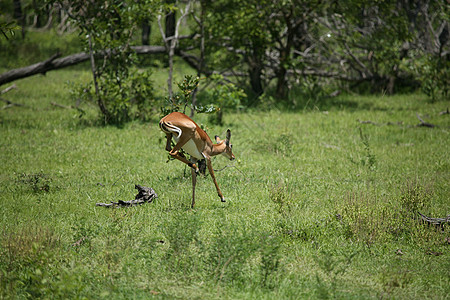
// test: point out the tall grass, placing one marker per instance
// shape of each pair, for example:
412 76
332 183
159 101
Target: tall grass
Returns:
319 205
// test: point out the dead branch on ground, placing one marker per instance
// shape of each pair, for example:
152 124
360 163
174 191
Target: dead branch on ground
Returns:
423 123
438 222
145 195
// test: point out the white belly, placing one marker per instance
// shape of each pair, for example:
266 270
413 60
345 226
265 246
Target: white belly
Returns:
190 148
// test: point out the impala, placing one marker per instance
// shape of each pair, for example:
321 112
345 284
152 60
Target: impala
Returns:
195 141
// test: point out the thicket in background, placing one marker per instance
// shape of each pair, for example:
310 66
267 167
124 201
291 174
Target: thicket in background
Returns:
291 53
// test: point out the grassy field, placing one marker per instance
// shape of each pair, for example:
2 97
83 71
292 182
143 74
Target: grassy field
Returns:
318 204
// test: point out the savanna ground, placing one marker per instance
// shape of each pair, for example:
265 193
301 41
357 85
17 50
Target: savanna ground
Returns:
318 204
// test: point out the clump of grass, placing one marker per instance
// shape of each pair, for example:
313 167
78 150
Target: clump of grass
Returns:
281 144
181 235
24 258
392 277
280 195
233 255
26 243
364 217
242 256
37 182
370 218
332 267
415 197
369 160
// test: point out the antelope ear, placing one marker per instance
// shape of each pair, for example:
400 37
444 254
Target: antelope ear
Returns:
228 135
217 138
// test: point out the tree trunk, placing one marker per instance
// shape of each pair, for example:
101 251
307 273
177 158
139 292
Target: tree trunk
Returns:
146 31
170 24
281 90
255 73
19 16
255 68
285 55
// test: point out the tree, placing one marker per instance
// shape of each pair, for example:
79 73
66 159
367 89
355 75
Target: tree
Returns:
109 27
256 36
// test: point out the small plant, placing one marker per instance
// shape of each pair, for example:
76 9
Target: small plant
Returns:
369 159
366 218
332 267
284 144
280 195
415 197
179 102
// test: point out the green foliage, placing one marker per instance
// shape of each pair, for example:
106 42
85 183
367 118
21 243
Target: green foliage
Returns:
108 37
133 99
226 96
181 102
433 73
7 28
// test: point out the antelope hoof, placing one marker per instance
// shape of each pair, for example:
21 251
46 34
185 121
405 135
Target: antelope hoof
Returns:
222 199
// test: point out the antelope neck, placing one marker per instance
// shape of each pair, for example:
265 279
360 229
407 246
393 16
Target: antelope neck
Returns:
218 148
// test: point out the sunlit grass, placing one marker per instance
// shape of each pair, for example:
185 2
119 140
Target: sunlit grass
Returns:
309 201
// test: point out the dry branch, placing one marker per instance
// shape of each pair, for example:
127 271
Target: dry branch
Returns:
445 112
423 123
61 105
9 103
144 195
434 221
400 123
8 89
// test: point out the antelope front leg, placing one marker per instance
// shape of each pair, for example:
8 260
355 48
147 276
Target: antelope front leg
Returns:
211 171
194 182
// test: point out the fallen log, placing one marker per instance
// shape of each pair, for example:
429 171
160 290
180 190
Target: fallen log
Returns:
144 195
55 63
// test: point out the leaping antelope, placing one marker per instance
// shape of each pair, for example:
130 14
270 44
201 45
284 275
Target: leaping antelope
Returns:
195 141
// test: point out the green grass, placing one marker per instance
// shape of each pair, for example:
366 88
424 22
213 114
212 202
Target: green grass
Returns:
317 204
